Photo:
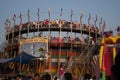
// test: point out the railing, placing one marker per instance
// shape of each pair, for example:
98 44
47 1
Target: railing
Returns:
53 27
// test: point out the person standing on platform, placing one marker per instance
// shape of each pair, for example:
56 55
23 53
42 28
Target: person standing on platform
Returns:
61 72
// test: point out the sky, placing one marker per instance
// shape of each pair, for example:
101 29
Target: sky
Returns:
109 10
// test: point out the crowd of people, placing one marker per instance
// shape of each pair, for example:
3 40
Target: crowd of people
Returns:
55 41
53 23
25 77
115 74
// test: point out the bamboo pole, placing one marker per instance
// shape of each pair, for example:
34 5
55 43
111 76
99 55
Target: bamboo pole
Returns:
28 23
59 57
95 28
60 25
38 20
49 38
71 31
81 32
50 61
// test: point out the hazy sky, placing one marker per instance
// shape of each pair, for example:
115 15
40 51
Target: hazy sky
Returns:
109 10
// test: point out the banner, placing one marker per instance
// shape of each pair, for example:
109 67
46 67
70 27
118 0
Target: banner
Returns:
35 46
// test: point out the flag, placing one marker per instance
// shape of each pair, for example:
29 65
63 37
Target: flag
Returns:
81 16
89 22
96 18
95 21
81 19
7 24
89 16
60 21
101 20
38 15
103 27
38 12
71 14
89 19
49 13
71 17
49 17
100 24
28 14
61 12
8 20
118 29
14 17
20 18
81 12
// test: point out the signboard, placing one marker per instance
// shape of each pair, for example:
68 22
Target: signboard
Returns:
34 46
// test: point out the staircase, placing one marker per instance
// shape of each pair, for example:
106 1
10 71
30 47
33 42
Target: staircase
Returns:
87 53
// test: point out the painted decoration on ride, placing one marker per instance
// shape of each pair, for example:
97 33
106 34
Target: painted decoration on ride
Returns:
35 46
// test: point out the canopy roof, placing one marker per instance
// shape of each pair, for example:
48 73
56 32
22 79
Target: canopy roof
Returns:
23 58
5 60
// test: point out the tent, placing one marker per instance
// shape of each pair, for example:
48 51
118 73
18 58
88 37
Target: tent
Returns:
5 60
23 58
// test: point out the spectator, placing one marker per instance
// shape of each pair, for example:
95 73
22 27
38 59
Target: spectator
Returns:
68 76
117 59
55 78
47 76
115 70
36 77
61 72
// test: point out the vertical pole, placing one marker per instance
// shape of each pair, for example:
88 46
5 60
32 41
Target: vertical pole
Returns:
89 26
49 24
19 40
13 33
71 30
14 25
49 35
8 28
28 23
20 57
95 28
60 25
67 45
67 34
81 23
89 42
100 25
38 14
81 33
50 60
20 63
20 26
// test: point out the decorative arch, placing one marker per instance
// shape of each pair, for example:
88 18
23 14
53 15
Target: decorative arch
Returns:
106 54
